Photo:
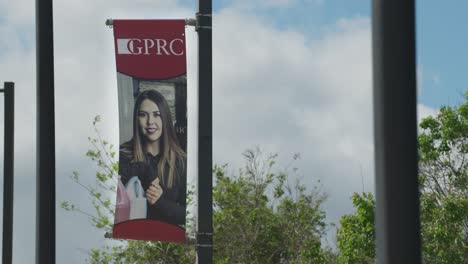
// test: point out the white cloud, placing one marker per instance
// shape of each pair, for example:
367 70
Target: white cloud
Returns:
20 13
425 111
291 93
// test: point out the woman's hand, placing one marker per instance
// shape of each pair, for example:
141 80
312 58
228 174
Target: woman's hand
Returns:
154 192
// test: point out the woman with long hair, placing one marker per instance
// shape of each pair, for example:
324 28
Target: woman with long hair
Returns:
155 156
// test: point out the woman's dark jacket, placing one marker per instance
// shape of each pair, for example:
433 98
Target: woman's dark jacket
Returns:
170 207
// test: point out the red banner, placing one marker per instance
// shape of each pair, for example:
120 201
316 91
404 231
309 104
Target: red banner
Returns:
152 88
150 49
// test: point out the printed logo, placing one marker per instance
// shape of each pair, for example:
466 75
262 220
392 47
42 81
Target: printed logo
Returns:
136 46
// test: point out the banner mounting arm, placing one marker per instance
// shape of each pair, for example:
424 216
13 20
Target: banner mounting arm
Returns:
188 22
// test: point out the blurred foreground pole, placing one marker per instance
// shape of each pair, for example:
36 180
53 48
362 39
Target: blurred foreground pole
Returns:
45 161
205 152
8 172
395 128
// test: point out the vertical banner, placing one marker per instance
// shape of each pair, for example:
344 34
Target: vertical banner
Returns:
152 89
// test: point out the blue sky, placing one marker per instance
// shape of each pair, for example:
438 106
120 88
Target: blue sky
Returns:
441 51
306 61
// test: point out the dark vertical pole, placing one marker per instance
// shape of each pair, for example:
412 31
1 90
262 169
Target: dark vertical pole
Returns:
205 152
395 128
8 170
45 202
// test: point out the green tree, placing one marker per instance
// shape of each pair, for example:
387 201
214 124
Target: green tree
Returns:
356 236
443 179
258 216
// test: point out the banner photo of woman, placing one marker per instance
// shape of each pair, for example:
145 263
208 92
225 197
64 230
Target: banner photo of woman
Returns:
152 91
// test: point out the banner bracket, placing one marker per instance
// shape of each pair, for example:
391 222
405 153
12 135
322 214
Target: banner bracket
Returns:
188 22
203 21
109 22
191 22
204 240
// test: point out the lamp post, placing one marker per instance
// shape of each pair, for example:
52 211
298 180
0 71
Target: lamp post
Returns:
395 129
8 170
205 134
45 162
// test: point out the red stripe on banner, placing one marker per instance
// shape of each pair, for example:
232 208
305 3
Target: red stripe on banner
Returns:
150 49
143 229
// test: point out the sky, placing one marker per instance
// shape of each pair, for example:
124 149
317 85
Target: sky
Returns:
289 76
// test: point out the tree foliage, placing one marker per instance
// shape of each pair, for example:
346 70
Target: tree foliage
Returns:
258 216
443 179
356 236
443 176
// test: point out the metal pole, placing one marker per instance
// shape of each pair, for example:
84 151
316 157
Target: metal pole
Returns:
395 128
205 152
45 202
8 170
